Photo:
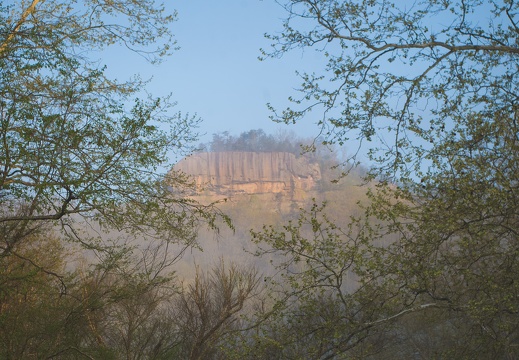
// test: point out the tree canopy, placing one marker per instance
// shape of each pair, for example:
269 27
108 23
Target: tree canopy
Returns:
407 75
89 225
428 89
76 142
255 140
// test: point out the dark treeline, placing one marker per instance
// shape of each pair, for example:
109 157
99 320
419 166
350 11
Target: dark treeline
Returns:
255 140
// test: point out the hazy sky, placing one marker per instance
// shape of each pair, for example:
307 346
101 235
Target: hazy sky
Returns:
217 74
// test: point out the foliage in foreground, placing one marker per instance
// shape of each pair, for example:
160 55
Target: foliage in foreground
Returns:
429 270
81 156
78 147
430 93
115 310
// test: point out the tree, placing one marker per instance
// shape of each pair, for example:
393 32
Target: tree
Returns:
429 91
112 310
207 311
77 145
35 314
82 158
255 140
321 305
396 73
125 310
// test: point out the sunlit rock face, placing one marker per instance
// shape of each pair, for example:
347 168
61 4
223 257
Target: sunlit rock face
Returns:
232 173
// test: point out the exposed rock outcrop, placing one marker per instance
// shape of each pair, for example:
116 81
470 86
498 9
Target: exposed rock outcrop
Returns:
233 173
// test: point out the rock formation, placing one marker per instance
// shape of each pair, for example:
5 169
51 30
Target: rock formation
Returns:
232 173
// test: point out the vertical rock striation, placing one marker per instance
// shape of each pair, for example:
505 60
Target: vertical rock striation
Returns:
230 173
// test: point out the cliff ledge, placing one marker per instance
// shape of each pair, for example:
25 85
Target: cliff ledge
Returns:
233 173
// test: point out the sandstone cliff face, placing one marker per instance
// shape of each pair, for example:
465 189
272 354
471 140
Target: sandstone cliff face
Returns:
232 173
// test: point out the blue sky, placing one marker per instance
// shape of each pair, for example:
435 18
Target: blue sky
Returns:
217 74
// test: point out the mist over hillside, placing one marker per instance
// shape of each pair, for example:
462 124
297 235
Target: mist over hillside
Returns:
257 187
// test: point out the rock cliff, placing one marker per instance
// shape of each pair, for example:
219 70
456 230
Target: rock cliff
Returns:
233 173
